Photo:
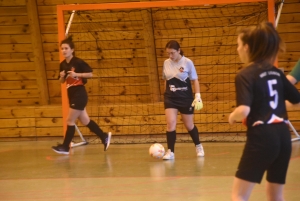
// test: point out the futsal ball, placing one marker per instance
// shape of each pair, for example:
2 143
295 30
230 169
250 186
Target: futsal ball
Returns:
157 151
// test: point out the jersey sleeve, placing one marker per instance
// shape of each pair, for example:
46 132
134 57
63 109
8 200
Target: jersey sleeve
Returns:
296 71
84 67
244 94
163 71
192 72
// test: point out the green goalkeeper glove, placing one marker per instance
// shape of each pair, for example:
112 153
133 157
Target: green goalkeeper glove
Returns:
197 103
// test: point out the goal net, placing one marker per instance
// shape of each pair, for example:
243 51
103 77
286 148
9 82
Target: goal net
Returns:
125 46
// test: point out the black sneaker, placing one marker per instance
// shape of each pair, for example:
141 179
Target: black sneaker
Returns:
60 149
107 141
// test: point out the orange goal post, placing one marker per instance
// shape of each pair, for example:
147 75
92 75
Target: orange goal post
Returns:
154 91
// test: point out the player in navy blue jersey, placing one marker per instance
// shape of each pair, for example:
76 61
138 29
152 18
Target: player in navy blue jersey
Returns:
74 71
178 73
261 92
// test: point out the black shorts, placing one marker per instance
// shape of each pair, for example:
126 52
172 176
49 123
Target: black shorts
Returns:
268 148
183 108
77 97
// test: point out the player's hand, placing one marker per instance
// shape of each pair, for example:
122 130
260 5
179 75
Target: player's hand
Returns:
197 103
231 120
244 122
72 74
62 74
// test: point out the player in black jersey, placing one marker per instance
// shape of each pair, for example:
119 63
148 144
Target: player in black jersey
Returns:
178 73
74 71
261 91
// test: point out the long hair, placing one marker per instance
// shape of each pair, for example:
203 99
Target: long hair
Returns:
173 44
263 41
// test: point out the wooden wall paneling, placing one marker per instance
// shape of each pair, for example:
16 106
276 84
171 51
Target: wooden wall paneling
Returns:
16 112
9 20
17 123
16 57
151 55
15 39
289 56
290 37
16 48
17 66
15 29
19 93
38 52
16 133
13 3
289 28
18 84
289 17
290 7
17 75
293 47
13 10
19 101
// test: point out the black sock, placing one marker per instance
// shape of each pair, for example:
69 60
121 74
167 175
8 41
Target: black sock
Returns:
171 138
195 135
69 136
97 130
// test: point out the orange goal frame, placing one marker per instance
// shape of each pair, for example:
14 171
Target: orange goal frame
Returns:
137 5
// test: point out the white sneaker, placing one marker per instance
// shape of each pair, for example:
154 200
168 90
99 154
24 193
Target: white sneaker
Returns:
169 155
199 150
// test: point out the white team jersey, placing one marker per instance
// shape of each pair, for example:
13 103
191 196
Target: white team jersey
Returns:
178 76
181 70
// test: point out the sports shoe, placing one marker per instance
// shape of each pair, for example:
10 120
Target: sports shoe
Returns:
60 149
199 150
107 141
169 155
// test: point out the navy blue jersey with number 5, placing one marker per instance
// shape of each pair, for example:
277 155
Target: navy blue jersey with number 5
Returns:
264 90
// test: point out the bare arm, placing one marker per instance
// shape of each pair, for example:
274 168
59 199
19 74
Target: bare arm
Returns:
196 86
62 76
240 113
85 75
82 75
290 106
291 79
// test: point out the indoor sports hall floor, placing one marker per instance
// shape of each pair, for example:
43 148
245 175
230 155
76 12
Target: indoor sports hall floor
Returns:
32 171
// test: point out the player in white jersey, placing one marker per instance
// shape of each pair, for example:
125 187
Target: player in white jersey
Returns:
178 73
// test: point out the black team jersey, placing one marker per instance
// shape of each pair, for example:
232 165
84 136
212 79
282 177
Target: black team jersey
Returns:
78 66
264 90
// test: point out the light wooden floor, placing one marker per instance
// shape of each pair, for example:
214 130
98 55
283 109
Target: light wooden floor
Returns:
32 171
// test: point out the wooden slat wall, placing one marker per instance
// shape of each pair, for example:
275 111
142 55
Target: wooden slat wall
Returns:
19 86
17 69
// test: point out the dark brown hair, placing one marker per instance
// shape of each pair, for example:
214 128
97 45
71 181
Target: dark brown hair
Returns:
173 44
264 42
69 41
